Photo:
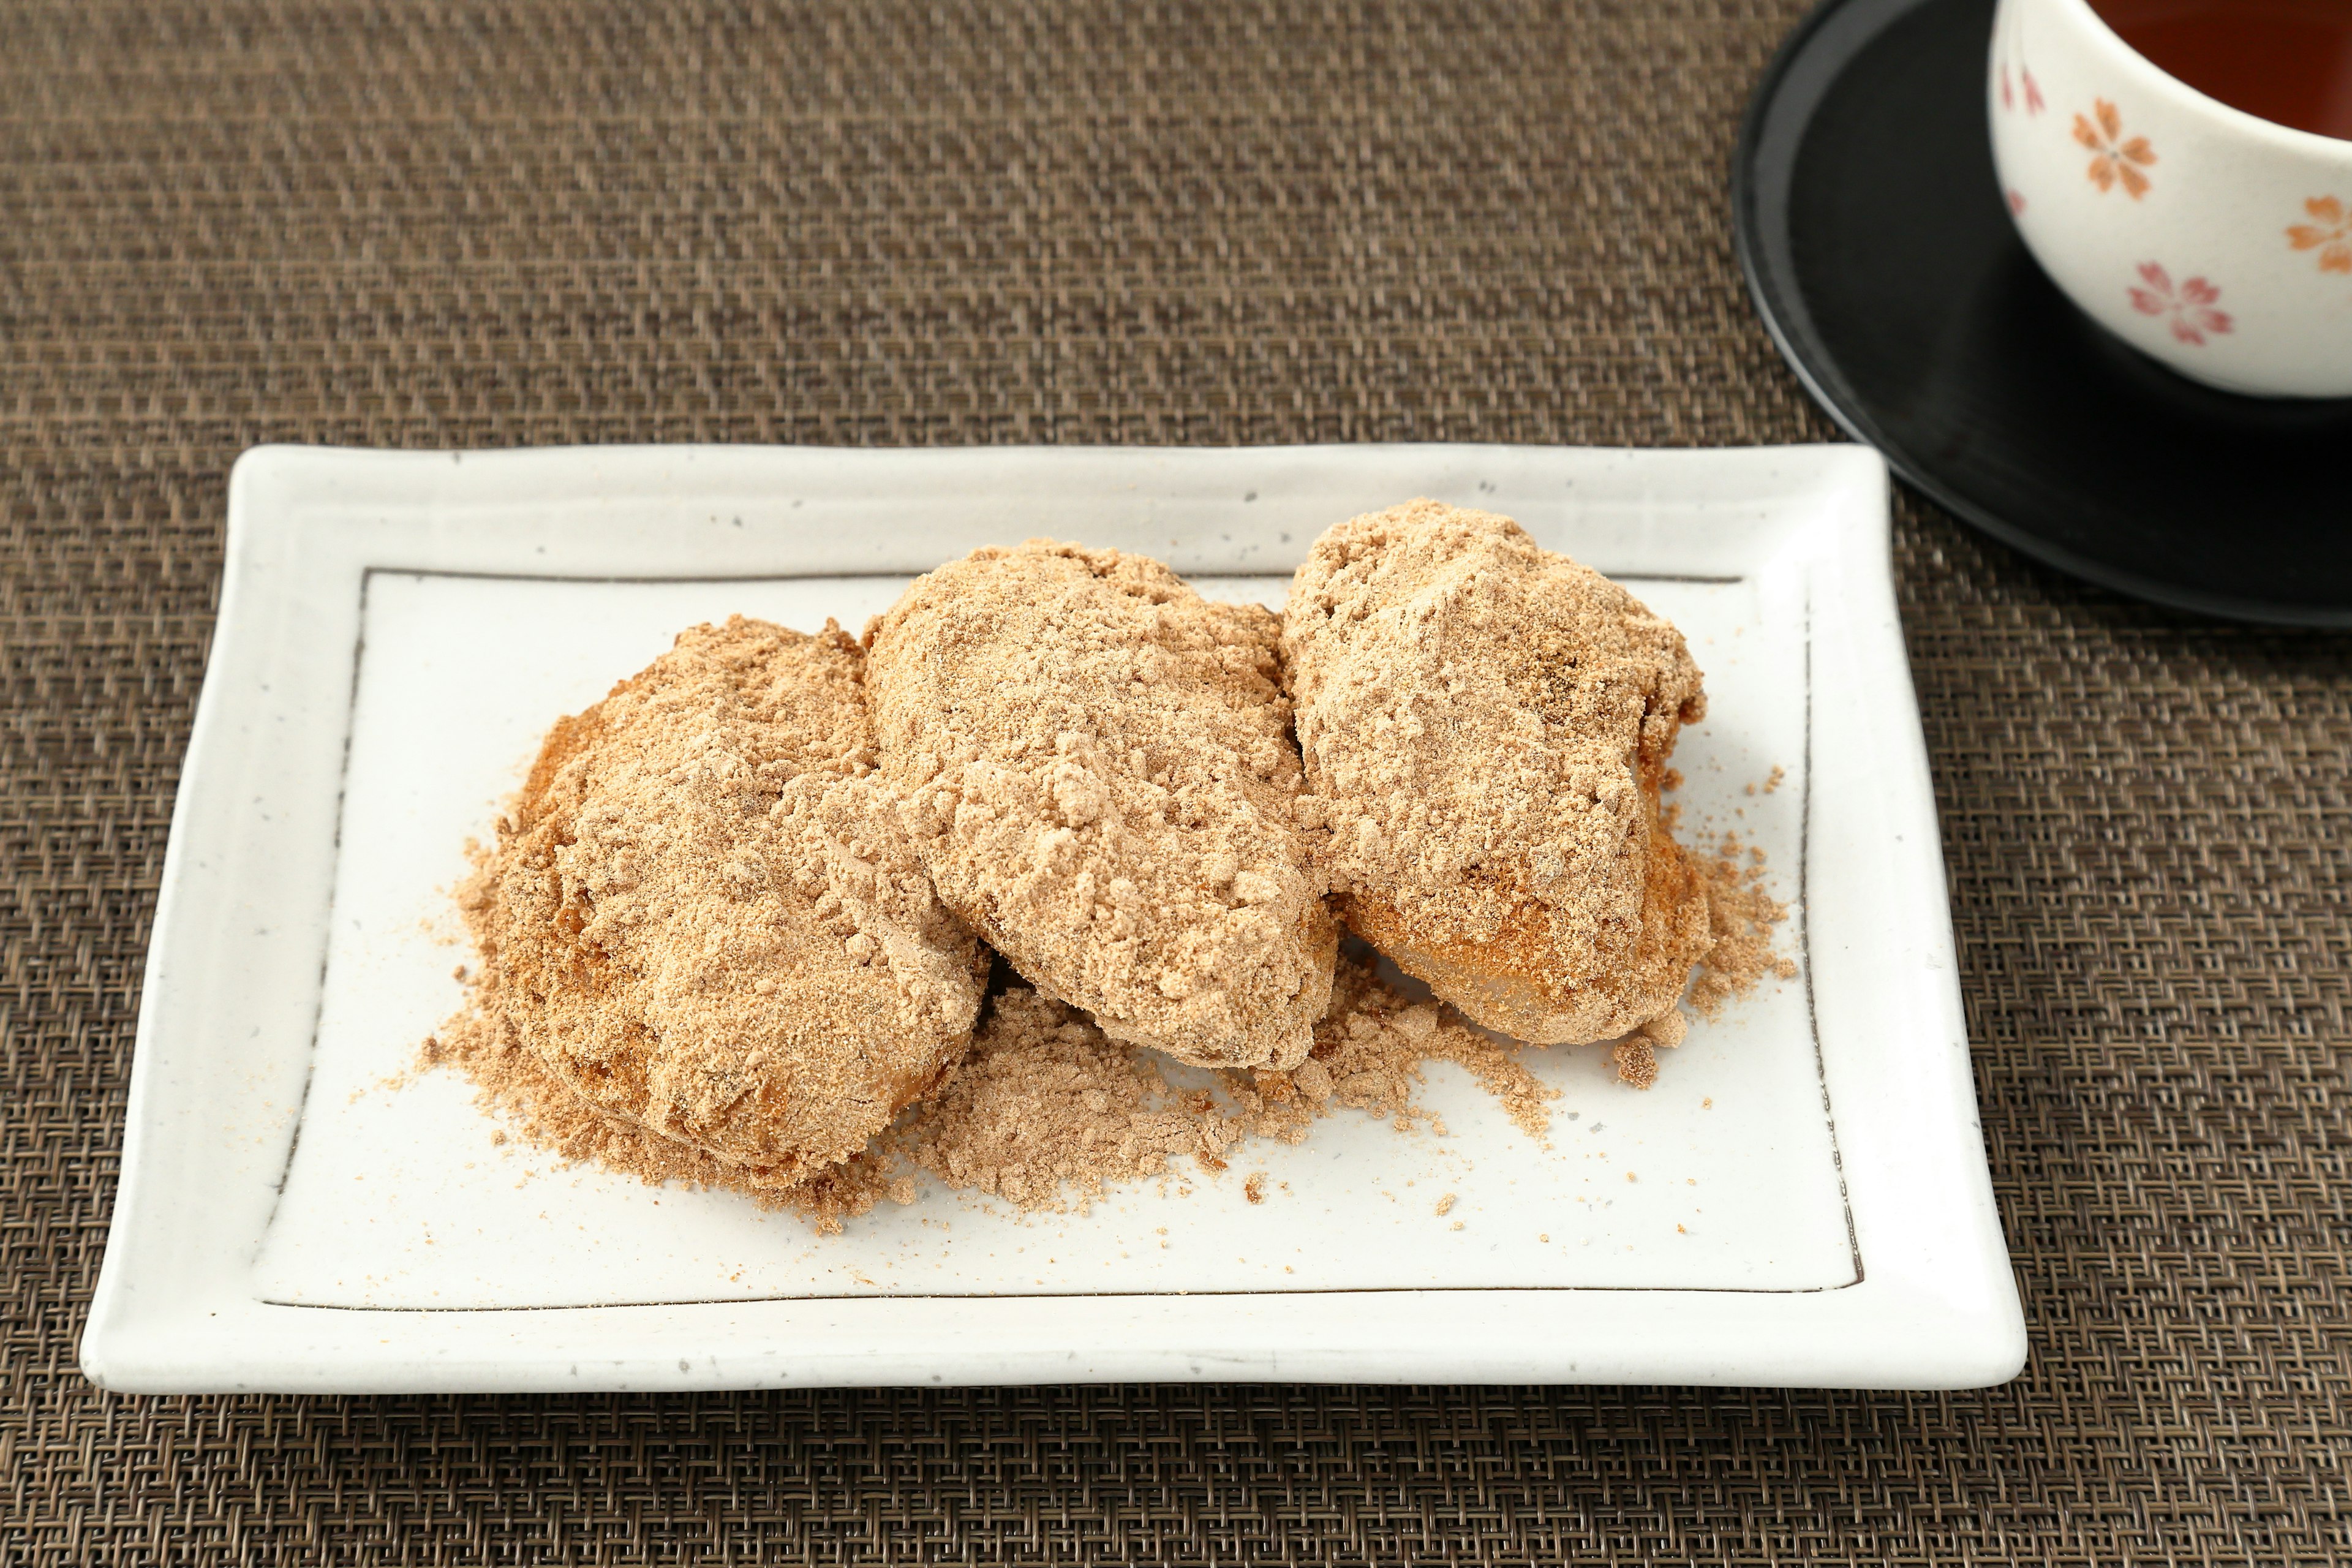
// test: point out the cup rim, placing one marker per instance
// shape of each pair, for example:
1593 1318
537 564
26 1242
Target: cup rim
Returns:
2283 138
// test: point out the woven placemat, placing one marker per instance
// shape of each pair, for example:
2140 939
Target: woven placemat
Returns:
446 224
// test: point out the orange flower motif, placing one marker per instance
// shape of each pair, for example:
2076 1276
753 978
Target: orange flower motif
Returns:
2333 241
2113 158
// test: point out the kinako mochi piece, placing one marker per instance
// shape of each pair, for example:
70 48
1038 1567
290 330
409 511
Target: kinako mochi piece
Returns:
704 914
1100 767
1485 726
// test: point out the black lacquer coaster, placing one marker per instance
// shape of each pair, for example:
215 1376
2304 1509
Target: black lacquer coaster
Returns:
1878 249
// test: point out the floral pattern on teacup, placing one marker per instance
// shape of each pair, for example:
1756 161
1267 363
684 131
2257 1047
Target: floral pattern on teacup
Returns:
2188 309
2008 51
2034 103
2333 241
2114 160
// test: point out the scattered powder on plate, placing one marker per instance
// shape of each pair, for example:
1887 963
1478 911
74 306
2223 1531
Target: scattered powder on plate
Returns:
704 918
1485 726
1100 773
515 1086
1740 918
703 868
1741 914
1636 1054
1369 1047
1046 1111
1046 1102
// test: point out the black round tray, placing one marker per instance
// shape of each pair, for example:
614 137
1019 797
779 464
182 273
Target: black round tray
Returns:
1877 248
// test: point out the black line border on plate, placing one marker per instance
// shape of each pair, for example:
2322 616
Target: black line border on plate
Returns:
1804 959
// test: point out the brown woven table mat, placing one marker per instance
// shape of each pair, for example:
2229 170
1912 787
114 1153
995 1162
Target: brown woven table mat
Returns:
446 223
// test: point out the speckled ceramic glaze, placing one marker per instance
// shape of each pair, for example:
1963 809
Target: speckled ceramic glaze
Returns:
1802 1199
2216 241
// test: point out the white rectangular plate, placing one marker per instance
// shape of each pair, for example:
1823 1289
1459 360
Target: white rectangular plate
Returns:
1802 1199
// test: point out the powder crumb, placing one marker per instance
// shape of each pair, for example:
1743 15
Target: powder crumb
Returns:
1456 1225
1046 1106
1444 1205
389 1082
1773 782
1047 1112
514 1084
1741 915
1371 1046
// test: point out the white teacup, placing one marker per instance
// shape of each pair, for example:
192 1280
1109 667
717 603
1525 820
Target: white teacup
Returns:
2216 241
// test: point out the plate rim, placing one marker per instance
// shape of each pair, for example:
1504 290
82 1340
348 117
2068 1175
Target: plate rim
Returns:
136 1342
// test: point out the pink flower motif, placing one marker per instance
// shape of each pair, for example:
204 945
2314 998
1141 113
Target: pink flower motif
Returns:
2008 101
2188 309
2033 104
2017 200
